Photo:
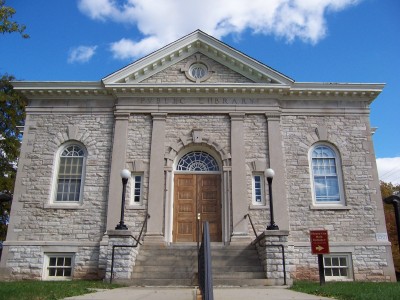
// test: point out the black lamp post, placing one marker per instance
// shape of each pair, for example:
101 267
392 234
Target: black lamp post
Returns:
270 175
125 175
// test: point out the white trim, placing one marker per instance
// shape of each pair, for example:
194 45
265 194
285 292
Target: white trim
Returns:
170 181
262 188
338 164
348 267
206 149
132 183
46 265
53 192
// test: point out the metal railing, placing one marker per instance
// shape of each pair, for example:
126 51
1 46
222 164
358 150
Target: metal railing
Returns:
257 241
138 239
204 265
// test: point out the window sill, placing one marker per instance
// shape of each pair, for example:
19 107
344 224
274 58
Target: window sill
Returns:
329 207
78 205
252 206
136 206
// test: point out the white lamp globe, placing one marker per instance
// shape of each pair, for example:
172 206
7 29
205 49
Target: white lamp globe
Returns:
270 173
125 174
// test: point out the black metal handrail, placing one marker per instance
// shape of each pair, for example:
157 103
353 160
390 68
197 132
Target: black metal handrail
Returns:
257 241
204 265
252 225
127 246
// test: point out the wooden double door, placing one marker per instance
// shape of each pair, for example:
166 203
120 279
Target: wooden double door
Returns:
197 195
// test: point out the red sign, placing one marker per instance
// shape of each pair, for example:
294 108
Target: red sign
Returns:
319 241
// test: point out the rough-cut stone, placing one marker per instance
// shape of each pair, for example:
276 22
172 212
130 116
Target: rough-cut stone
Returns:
91 113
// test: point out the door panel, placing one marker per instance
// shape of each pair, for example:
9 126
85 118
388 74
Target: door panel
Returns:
209 203
197 194
185 208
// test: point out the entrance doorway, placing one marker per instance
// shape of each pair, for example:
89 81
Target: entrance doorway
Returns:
196 194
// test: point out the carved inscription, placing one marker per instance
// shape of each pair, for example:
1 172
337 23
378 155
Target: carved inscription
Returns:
196 101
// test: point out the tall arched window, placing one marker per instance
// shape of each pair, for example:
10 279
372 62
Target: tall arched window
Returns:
71 167
326 179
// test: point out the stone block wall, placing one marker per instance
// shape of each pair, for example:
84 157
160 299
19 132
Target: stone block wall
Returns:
349 134
37 218
28 261
256 147
272 247
124 257
368 263
173 74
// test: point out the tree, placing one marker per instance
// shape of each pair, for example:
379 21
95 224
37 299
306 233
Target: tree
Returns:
8 26
12 115
388 189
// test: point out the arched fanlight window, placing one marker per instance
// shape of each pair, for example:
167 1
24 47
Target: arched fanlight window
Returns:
70 173
199 161
325 168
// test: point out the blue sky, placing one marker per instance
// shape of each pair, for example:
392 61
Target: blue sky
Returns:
307 40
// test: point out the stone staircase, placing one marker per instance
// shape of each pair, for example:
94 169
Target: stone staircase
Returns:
176 265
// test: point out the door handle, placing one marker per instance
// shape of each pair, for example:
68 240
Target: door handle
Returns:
198 216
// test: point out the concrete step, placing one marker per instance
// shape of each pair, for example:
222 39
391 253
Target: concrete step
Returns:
241 282
164 275
161 282
239 275
176 265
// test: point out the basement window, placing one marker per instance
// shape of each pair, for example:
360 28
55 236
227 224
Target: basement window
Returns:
58 266
338 267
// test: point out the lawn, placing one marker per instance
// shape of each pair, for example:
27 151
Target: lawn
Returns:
351 290
49 290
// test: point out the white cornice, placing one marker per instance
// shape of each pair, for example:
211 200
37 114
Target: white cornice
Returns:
197 41
61 89
296 91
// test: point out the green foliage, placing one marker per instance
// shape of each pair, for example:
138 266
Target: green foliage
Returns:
12 115
387 189
49 290
8 26
351 290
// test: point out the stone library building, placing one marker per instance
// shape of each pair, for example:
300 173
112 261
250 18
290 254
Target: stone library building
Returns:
203 132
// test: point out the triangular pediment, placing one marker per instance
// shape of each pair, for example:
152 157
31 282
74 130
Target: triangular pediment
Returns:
173 63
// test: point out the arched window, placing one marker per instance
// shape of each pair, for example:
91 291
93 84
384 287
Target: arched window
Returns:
326 179
197 161
71 167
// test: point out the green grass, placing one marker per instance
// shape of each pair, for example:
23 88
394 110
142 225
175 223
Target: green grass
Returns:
49 290
351 290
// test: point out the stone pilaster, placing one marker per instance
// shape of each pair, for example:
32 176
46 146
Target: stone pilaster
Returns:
155 230
117 164
239 192
276 162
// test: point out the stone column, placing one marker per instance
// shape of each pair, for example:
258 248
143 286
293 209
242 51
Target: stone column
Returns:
239 190
124 256
118 160
156 180
271 246
276 162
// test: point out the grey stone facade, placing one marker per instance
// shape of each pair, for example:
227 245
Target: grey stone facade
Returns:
146 116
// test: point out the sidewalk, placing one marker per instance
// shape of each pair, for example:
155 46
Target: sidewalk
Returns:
226 293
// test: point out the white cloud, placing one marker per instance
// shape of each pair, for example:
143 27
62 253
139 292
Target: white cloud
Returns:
389 169
162 22
126 48
81 54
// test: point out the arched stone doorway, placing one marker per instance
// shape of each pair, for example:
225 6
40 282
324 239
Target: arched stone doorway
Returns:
197 196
